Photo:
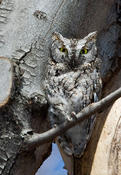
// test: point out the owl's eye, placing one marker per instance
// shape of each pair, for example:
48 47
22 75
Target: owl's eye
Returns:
63 49
84 51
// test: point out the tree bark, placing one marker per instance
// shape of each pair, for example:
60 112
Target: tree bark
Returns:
26 27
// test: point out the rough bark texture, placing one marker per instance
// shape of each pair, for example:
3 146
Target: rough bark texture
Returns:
26 27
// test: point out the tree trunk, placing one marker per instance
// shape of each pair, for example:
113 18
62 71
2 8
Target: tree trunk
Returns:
103 153
26 27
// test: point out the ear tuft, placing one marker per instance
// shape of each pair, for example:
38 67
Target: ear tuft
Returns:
91 36
55 36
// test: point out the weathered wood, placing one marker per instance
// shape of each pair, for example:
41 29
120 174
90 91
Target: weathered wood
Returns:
107 159
6 80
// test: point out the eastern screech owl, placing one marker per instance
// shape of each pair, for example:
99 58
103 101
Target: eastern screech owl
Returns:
73 82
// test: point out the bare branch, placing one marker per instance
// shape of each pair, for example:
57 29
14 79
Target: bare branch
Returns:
37 139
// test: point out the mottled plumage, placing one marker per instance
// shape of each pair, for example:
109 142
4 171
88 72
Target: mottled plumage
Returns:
73 82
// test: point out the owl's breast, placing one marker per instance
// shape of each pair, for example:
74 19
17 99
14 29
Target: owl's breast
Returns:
74 89
71 92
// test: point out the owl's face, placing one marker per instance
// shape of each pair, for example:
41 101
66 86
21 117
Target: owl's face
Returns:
74 52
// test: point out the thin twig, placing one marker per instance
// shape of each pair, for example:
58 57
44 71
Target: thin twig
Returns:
37 139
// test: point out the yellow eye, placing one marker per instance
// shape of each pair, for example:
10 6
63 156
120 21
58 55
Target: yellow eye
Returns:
84 51
63 49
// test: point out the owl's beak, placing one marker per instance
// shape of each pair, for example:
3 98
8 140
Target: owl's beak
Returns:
73 63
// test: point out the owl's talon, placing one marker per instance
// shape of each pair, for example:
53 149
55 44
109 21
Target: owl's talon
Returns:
68 119
55 125
73 115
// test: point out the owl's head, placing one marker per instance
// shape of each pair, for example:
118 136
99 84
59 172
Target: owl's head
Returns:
74 52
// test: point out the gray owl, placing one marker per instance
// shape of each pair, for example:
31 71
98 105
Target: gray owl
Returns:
73 81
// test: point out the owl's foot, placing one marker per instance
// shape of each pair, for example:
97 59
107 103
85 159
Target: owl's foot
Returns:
73 115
